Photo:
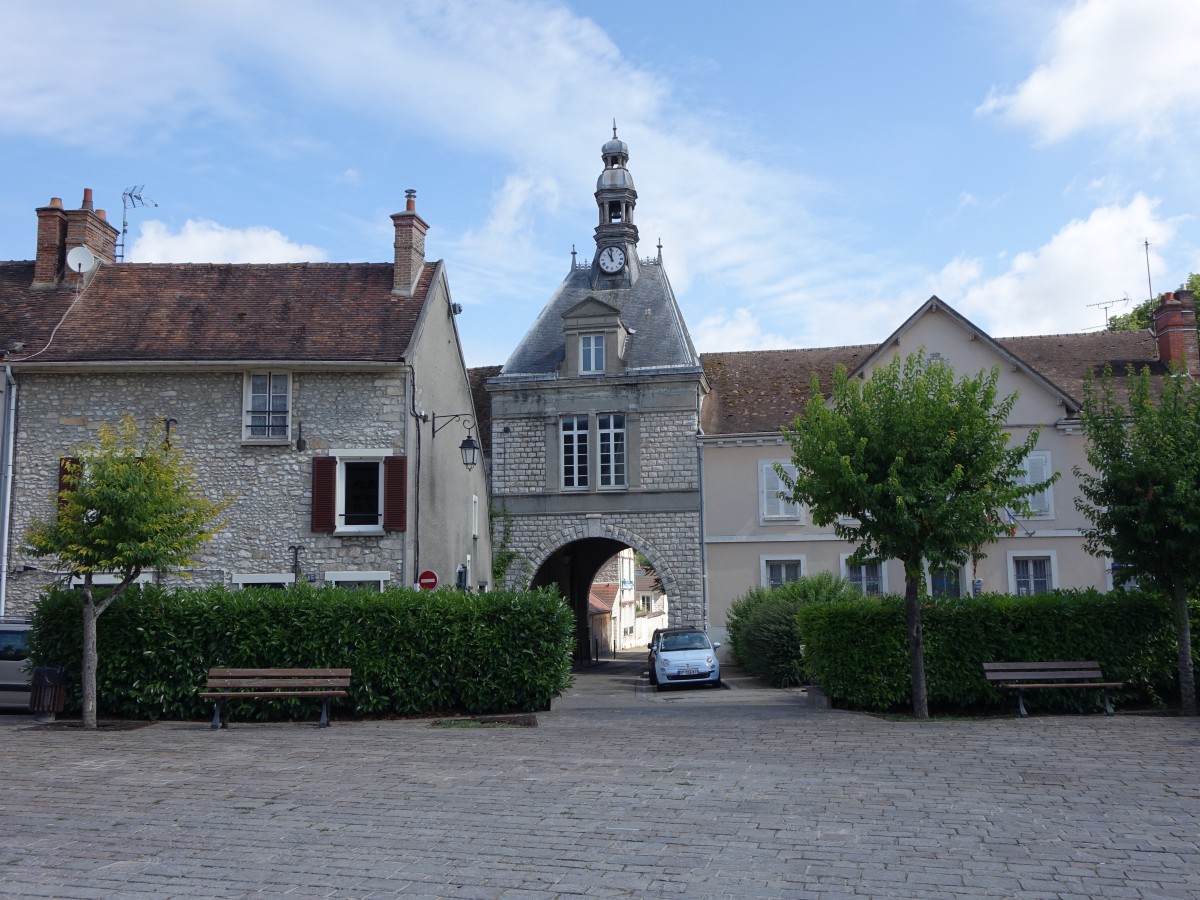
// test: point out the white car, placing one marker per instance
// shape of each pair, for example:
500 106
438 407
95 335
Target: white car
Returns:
14 656
683 655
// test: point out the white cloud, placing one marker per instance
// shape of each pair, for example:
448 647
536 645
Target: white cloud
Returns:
350 177
1132 67
740 331
203 241
1095 260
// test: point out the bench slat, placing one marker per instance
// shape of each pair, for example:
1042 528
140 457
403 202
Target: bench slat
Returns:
277 682
240 695
1062 684
277 673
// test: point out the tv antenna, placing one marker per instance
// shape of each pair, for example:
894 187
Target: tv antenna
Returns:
1107 305
131 198
1149 285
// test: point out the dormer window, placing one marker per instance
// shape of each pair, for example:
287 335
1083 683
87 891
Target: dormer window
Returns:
591 354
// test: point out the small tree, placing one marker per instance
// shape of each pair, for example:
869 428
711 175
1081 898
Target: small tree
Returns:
1144 492
130 503
910 465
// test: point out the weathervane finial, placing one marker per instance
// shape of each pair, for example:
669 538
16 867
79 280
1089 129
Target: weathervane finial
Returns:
614 128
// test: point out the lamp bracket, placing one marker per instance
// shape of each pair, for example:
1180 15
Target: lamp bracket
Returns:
468 424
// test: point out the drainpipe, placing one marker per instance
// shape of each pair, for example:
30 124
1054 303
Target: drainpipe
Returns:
6 455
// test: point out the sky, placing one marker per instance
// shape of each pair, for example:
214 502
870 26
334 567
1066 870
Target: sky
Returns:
814 170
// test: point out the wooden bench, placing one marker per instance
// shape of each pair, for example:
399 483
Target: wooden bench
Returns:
274 684
1025 676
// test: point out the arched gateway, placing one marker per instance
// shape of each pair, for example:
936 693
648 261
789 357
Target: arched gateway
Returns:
595 417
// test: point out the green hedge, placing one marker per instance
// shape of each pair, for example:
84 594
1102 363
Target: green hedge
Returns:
763 633
857 651
411 652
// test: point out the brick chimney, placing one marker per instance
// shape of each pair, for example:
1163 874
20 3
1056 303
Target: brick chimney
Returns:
60 231
1175 331
410 247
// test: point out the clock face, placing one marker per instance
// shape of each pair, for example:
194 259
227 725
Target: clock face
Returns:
612 259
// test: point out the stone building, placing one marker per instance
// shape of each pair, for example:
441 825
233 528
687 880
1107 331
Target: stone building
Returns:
329 400
594 420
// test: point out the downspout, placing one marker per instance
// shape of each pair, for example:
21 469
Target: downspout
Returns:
703 545
416 476
10 427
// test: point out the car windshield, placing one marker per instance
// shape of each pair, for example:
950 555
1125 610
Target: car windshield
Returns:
689 640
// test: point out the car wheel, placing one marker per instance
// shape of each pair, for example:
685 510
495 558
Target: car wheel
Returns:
653 677
718 684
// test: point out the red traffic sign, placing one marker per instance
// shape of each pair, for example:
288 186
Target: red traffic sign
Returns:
427 580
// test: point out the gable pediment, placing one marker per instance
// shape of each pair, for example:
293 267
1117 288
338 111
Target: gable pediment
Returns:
947 334
592 313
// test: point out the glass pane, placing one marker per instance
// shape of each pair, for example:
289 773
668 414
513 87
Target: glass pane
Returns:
362 493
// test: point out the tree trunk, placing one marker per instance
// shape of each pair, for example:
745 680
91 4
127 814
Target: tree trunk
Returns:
916 643
89 660
1183 637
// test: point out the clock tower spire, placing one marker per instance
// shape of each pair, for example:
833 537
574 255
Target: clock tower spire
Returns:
615 263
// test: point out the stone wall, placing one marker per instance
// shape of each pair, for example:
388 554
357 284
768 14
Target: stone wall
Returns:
271 484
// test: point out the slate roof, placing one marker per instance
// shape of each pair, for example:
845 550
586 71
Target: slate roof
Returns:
204 312
648 308
760 391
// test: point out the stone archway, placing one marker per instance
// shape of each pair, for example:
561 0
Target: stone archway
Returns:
570 559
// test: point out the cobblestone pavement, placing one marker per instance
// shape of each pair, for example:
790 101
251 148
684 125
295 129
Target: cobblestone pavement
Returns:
743 792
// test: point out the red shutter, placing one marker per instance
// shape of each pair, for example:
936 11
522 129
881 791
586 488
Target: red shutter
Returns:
324 493
65 463
395 493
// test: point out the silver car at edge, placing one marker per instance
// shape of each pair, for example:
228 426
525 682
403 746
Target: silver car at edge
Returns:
683 655
14 662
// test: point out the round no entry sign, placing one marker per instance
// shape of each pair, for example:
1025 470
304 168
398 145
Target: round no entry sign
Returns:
427 580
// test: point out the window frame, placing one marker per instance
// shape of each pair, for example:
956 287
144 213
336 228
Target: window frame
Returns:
780 559
357 578
769 481
1015 556
607 437
248 412
1041 504
963 582
592 352
581 474
329 491
271 579
847 567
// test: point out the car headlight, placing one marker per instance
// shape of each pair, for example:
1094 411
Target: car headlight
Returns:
708 660
662 662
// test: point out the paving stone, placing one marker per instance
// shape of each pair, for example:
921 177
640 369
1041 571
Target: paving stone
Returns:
745 793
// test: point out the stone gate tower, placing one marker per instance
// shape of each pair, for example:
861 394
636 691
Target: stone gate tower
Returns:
595 417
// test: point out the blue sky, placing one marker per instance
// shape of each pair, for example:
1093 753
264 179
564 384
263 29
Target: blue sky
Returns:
814 170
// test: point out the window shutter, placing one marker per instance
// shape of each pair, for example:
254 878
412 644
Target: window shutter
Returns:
1037 468
64 464
395 493
324 493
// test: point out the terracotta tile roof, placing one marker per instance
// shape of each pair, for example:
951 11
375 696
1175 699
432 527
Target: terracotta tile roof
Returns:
760 391
601 598
204 312
756 391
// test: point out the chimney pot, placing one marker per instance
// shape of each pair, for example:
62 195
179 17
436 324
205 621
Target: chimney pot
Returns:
87 199
410 200
55 203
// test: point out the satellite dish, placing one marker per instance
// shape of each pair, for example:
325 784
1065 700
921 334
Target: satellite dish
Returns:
81 260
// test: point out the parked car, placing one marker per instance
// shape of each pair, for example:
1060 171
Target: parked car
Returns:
683 655
14 656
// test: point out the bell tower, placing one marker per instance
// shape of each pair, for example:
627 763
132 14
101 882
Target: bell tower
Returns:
615 263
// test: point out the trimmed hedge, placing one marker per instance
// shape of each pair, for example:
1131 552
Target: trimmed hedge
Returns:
411 652
764 636
858 651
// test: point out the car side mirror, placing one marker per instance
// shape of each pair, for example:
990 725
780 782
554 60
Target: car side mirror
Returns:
649 646
717 645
